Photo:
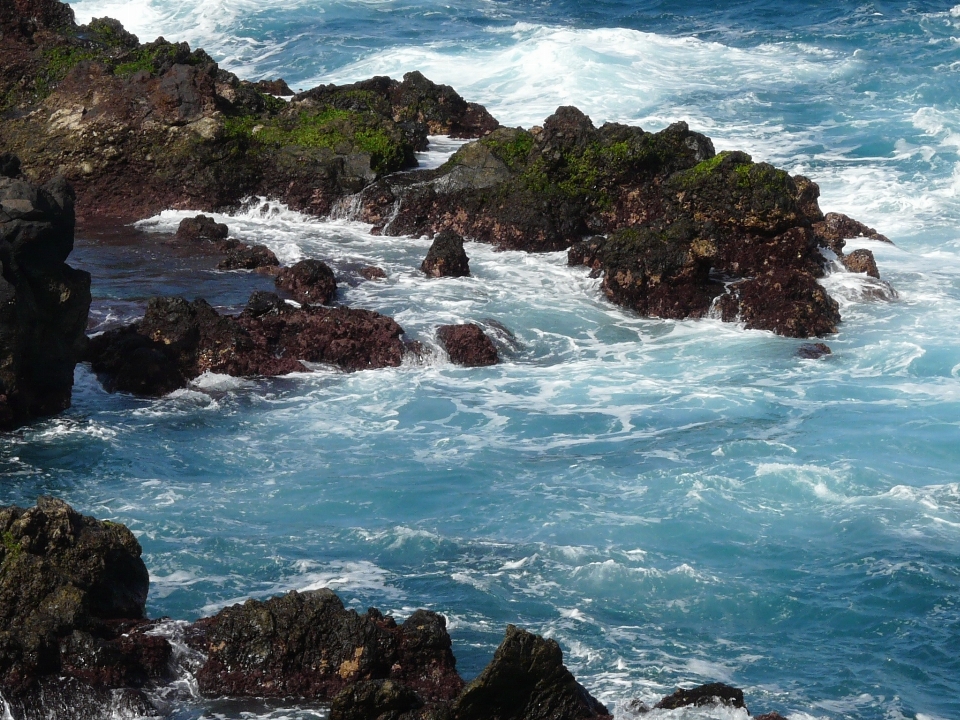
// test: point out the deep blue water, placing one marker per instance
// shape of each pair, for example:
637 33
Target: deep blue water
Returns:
674 502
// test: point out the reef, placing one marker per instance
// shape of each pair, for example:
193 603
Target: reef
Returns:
75 643
43 301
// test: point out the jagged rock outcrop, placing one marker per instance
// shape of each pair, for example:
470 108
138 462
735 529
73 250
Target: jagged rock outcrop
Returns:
308 281
526 680
835 228
446 256
178 340
44 302
468 345
704 695
72 626
307 645
141 127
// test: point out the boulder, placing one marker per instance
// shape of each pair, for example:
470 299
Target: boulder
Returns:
72 595
201 227
526 680
307 645
861 261
468 345
375 700
238 256
703 695
44 302
446 256
309 281
371 272
790 304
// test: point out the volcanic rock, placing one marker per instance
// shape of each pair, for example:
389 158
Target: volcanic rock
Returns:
274 87
468 345
374 700
306 645
178 340
790 304
372 273
239 256
309 281
526 680
446 256
43 301
200 228
813 351
861 261
837 227
702 695
72 595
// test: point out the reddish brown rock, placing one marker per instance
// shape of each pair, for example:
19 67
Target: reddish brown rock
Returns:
372 273
861 261
309 281
239 256
274 87
813 351
837 227
468 345
790 304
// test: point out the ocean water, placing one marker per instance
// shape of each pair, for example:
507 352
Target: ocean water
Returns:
674 502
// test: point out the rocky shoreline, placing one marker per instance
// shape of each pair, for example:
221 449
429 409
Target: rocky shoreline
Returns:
75 641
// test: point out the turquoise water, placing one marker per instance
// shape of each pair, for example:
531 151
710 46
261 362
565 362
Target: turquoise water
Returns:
674 502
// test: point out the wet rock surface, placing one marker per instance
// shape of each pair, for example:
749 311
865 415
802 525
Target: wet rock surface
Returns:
446 256
526 680
861 261
179 340
309 281
468 345
703 695
813 351
44 302
72 626
201 227
835 228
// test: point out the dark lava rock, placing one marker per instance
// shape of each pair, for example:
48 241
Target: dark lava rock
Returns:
526 680
813 351
274 87
587 252
200 228
178 340
372 272
309 281
770 716
790 304
446 256
72 595
43 301
861 261
710 694
837 227
239 256
306 645
374 700
468 345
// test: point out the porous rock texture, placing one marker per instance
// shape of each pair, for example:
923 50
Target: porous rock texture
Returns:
179 340
468 345
43 301
142 127
72 627
670 224
308 281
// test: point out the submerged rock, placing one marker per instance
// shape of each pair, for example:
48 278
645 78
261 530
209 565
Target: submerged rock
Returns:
813 351
43 301
309 281
468 345
238 256
704 695
446 256
371 272
526 680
